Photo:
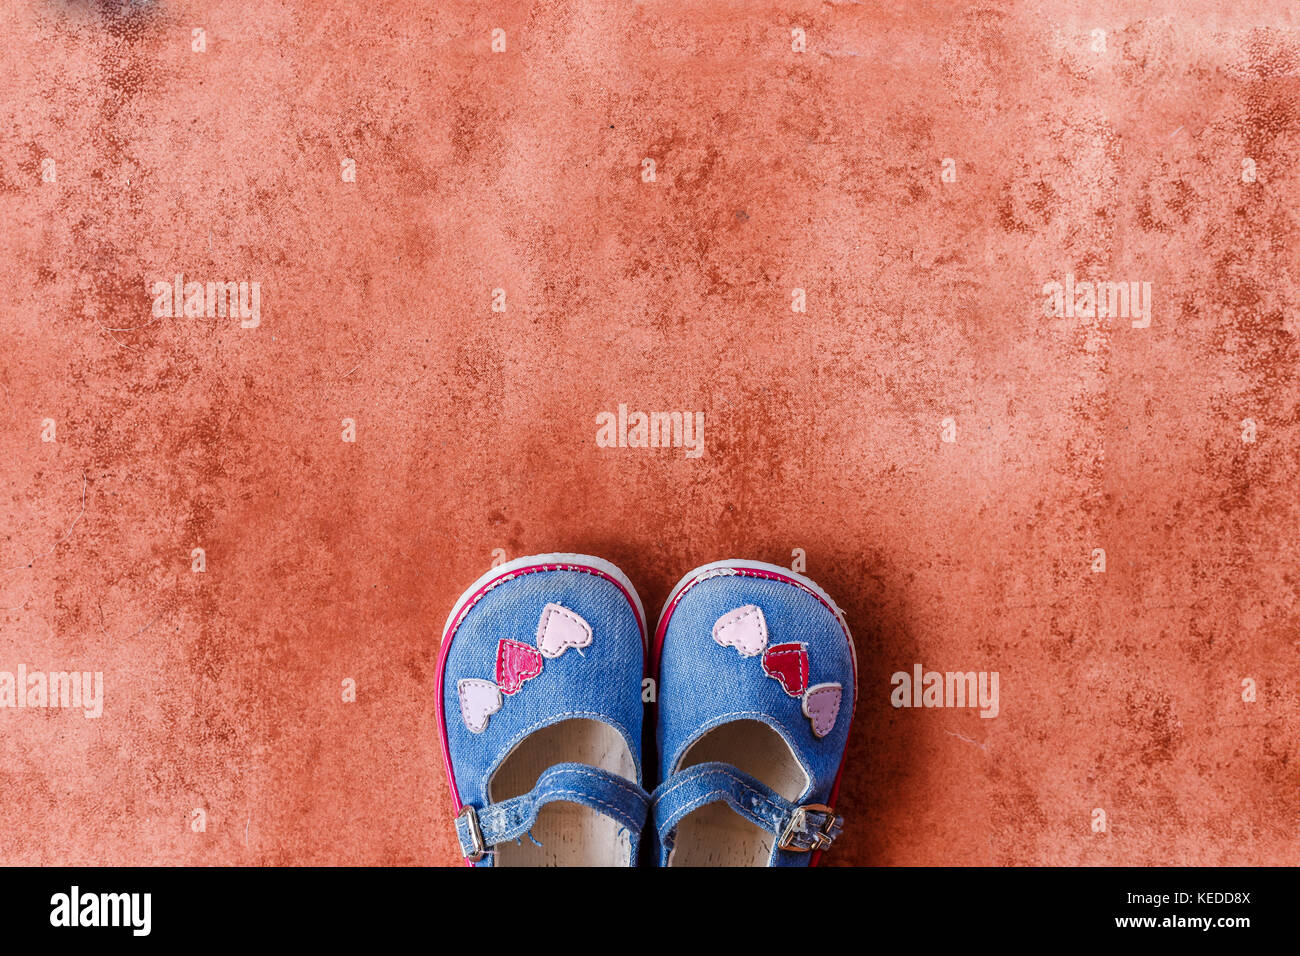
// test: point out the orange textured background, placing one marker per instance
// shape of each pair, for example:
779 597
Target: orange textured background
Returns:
476 430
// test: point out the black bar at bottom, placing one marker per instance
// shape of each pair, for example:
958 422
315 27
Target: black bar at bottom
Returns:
460 909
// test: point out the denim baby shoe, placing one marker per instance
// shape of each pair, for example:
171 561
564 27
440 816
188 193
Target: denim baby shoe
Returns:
539 709
757 679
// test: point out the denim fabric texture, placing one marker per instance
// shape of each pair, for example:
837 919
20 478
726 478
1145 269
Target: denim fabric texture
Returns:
704 783
599 682
703 685
600 790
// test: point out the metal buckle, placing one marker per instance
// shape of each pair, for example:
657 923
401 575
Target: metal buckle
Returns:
822 837
476 834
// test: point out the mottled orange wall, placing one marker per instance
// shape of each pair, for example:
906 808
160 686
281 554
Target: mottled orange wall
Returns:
775 170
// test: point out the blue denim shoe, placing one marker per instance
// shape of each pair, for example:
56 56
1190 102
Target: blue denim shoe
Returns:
757 681
539 709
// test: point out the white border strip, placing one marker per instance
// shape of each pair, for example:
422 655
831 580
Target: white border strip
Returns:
576 560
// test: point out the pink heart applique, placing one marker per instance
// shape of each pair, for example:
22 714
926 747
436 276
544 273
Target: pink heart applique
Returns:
479 700
516 663
821 705
560 629
745 629
788 663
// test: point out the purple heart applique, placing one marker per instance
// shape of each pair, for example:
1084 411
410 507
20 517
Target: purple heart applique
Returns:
821 705
479 700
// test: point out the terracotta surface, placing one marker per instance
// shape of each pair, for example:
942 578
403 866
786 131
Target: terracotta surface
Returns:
476 430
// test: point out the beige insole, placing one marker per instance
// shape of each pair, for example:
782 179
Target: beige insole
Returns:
715 834
569 834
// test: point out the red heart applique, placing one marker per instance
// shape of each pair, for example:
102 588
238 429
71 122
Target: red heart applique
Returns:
516 663
788 663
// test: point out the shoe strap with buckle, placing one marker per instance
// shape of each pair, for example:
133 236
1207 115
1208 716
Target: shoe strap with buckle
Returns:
799 829
481 828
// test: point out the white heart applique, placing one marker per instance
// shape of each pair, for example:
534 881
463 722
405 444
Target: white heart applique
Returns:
479 700
821 705
745 629
560 629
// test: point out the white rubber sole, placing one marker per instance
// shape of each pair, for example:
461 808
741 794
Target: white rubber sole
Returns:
577 561
718 568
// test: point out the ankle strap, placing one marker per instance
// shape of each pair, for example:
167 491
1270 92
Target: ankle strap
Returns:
798 829
480 828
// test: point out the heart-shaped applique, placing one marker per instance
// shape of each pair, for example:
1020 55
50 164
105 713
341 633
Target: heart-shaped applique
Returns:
560 629
516 663
745 629
788 663
479 700
821 705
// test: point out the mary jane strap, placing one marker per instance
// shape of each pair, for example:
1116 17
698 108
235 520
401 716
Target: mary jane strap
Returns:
481 828
798 828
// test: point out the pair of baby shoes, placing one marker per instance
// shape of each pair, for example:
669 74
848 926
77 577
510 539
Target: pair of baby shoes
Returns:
544 677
